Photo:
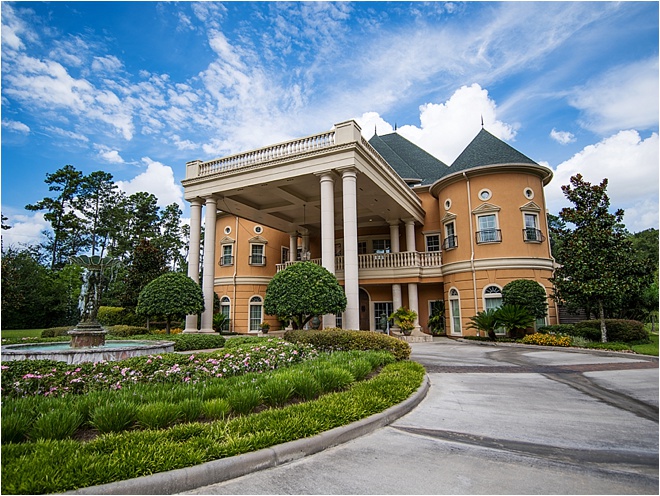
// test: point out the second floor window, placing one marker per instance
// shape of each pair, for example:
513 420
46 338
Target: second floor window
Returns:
531 232
433 242
451 241
257 255
381 245
488 231
227 255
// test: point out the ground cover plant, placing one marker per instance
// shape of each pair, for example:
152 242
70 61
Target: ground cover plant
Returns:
205 420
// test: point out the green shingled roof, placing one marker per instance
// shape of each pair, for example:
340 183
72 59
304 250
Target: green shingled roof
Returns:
486 149
409 160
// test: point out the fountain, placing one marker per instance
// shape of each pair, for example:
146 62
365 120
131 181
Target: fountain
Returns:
88 337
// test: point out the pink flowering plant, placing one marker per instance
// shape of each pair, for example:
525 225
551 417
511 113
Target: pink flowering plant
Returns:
50 378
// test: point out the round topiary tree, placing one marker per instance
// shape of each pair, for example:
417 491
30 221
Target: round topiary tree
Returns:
302 291
527 294
172 295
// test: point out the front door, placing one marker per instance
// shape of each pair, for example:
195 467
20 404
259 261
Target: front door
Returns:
364 310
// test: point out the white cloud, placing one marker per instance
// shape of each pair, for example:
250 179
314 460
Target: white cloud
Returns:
16 126
372 121
562 137
158 179
67 134
630 164
109 63
625 97
26 229
447 128
109 155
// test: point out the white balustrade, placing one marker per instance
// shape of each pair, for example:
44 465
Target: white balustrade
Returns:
262 155
399 260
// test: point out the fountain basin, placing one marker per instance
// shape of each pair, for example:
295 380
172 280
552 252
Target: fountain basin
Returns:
62 352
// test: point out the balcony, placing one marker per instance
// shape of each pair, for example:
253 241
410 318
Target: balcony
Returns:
257 260
489 236
384 265
226 260
450 242
531 235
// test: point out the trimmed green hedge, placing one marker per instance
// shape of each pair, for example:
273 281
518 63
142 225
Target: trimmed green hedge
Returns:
344 340
619 330
567 329
187 342
124 331
54 332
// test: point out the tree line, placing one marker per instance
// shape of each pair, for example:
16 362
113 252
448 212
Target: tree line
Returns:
88 214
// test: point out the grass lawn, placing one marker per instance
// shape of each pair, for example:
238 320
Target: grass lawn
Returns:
21 333
647 349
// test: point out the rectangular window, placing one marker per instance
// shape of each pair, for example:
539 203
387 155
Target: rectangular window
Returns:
385 308
285 254
227 255
255 317
257 255
433 242
488 232
381 245
455 310
362 247
451 241
531 232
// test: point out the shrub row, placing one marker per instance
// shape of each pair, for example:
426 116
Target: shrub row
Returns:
186 342
618 330
547 339
344 340
67 465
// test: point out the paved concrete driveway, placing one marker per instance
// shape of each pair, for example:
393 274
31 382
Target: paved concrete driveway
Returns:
497 420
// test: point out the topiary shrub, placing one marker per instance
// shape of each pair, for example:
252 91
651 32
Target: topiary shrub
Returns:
56 331
527 294
345 340
624 331
124 331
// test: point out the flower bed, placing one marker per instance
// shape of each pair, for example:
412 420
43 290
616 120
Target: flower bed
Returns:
547 340
50 378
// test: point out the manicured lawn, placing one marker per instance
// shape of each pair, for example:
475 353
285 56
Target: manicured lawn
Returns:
648 349
21 333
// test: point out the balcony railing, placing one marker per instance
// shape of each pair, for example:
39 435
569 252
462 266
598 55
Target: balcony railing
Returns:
489 236
400 260
226 260
274 152
450 242
257 260
531 235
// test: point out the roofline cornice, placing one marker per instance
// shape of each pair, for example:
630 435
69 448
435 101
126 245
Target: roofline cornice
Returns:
544 173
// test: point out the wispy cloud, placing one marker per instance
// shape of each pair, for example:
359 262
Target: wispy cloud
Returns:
16 126
562 137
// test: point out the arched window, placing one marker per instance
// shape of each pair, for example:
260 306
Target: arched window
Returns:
225 309
454 311
256 313
492 297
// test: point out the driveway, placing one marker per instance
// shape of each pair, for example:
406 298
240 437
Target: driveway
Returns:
497 419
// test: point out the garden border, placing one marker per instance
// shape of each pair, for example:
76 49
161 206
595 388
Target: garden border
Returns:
213 472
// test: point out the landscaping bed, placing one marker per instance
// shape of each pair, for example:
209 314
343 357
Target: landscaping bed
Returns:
67 427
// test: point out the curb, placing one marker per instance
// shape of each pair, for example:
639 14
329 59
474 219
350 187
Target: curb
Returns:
213 472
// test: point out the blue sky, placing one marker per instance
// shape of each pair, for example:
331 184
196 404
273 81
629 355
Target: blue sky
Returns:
139 88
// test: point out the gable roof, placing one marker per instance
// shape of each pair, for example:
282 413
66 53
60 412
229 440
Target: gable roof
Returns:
408 160
486 149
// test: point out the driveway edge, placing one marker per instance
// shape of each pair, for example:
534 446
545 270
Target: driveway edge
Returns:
213 472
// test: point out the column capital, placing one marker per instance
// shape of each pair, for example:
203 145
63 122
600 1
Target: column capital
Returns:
348 172
394 222
196 201
328 175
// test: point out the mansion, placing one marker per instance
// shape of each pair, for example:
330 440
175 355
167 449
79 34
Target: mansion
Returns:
395 225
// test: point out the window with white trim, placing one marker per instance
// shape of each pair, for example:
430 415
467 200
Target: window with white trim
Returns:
382 308
492 299
487 229
454 311
257 254
256 313
227 257
531 232
432 242
225 309
451 240
380 245
285 254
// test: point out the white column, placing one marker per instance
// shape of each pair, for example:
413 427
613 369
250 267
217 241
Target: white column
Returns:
413 303
293 246
328 233
351 278
193 254
209 264
410 235
397 300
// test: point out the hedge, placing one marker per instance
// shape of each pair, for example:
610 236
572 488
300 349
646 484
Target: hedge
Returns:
112 316
345 340
619 330
187 342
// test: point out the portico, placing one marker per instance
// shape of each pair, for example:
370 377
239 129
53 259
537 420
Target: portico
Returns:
318 186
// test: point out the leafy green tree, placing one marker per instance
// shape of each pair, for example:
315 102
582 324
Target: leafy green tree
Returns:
556 228
98 197
513 318
68 236
485 321
171 240
146 264
302 291
527 294
598 264
172 295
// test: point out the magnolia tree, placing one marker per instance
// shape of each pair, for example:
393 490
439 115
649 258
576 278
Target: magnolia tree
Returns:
303 291
527 294
597 259
172 295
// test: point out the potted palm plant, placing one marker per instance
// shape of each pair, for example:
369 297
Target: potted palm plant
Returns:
405 320
265 327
